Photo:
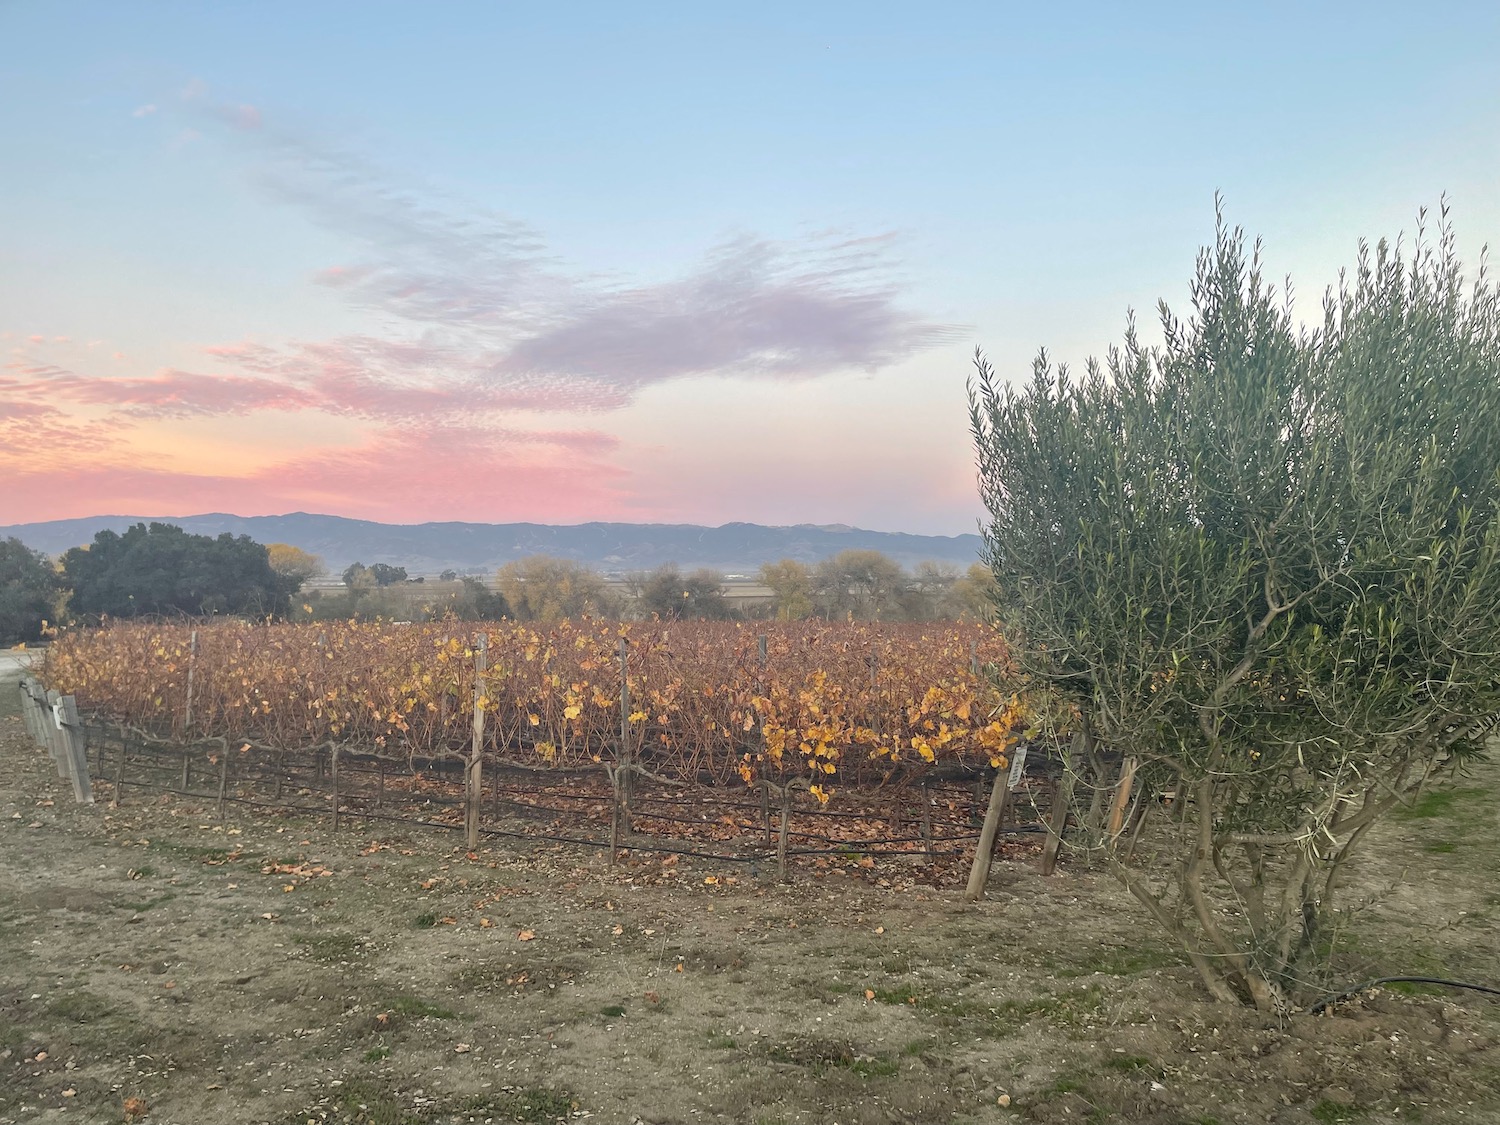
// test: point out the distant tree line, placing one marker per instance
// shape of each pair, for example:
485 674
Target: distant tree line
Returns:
159 569
154 569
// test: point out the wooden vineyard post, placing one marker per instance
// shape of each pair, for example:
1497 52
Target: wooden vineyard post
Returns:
83 791
926 822
1005 782
52 726
114 801
619 820
1062 800
760 734
187 717
627 747
979 874
1122 798
474 773
333 772
781 839
187 769
223 777
380 787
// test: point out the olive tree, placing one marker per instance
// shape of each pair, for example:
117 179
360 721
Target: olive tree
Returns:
1257 567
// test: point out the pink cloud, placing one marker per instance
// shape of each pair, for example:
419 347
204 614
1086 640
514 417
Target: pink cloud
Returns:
170 392
450 473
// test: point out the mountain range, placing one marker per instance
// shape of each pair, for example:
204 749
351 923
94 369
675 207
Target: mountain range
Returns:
430 548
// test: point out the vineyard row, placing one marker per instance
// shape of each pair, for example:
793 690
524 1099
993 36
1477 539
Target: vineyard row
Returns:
705 703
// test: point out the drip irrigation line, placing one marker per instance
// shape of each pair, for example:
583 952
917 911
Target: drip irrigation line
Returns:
1339 997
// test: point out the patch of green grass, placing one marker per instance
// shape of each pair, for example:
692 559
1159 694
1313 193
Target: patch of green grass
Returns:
331 949
415 1008
81 1007
897 996
1332 1113
1417 988
203 853
1068 1008
10 698
1437 803
1119 961
918 1047
425 921
144 871
1128 1063
722 1041
1441 847
613 1011
532 1106
377 1054
821 1055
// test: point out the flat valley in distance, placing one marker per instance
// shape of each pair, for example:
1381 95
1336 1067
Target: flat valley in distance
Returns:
481 548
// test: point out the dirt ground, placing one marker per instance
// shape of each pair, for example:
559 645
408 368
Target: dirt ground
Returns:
159 966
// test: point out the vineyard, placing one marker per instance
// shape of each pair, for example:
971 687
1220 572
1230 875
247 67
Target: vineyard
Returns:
574 717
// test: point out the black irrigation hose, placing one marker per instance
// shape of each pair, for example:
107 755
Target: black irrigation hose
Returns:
1337 997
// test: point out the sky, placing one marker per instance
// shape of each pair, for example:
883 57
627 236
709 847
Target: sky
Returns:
666 262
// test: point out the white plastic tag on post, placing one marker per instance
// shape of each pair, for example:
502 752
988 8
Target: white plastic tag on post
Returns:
57 717
1017 767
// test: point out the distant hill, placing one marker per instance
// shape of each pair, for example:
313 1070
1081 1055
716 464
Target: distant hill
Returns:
429 548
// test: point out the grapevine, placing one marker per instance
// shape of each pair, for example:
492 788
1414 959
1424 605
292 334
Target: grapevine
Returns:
827 705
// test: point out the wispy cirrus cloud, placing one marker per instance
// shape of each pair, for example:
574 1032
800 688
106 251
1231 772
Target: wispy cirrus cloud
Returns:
476 326
483 292
168 393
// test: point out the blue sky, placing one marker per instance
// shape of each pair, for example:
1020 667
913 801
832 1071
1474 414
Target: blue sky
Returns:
653 262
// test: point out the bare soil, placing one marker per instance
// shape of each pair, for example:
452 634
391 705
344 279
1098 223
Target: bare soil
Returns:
157 965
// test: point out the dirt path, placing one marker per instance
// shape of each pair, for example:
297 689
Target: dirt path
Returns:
160 966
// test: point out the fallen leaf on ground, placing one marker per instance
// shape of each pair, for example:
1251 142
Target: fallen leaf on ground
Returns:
525 935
